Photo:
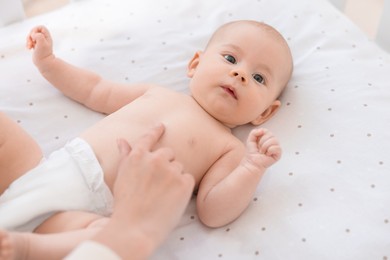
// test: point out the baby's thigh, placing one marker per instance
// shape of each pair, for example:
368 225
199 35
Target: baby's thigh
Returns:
18 152
69 221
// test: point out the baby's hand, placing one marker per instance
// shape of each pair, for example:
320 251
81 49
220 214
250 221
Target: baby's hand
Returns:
263 149
40 40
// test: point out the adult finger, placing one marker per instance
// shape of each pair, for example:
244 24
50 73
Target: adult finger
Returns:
189 181
123 146
176 167
150 139
165 153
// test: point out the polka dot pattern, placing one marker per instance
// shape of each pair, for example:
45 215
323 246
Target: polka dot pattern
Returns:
326 199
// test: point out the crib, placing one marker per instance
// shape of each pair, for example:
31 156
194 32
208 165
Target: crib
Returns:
329 195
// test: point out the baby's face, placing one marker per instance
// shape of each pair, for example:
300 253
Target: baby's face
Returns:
240 74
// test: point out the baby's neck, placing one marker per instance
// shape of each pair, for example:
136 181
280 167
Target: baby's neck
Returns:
228 127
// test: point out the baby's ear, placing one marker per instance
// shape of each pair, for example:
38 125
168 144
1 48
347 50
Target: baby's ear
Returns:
193 64
268 113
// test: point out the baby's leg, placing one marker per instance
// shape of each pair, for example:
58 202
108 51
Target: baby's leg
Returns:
12 246
17 245
69 221
6 246
18 152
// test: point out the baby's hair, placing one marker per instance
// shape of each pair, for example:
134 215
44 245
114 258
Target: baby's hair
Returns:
261 25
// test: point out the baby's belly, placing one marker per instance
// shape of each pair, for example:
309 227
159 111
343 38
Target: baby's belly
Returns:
195 153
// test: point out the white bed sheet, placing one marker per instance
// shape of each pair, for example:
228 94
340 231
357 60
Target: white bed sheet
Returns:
329 196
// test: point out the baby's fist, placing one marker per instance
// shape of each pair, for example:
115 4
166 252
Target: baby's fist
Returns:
40 40
263 148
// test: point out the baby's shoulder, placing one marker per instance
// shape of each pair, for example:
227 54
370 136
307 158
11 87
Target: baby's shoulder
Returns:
233 144
159 88
167 94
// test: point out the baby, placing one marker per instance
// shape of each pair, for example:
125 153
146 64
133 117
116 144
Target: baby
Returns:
236 80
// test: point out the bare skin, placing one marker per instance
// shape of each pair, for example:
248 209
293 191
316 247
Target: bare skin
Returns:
235 81
14 143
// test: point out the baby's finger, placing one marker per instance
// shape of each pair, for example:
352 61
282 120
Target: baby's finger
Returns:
41 29
255 134
267 142
274 151
29 42
264 140
40 33
252 141
37 37
33 31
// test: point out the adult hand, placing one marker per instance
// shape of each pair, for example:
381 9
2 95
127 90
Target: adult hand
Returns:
151 193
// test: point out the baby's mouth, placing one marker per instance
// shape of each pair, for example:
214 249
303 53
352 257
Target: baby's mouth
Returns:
230 90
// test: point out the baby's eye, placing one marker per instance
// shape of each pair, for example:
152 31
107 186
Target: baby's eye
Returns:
230 58
259 78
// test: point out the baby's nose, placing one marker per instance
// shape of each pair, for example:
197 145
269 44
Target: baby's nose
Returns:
240 76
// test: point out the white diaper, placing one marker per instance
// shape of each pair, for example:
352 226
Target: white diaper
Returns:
70 179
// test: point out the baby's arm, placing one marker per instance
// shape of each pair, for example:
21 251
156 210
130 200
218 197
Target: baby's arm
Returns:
224 194
79 84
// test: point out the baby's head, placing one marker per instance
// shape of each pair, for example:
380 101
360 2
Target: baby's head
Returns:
239 76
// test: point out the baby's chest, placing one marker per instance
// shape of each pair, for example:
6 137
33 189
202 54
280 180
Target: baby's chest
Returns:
197 147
